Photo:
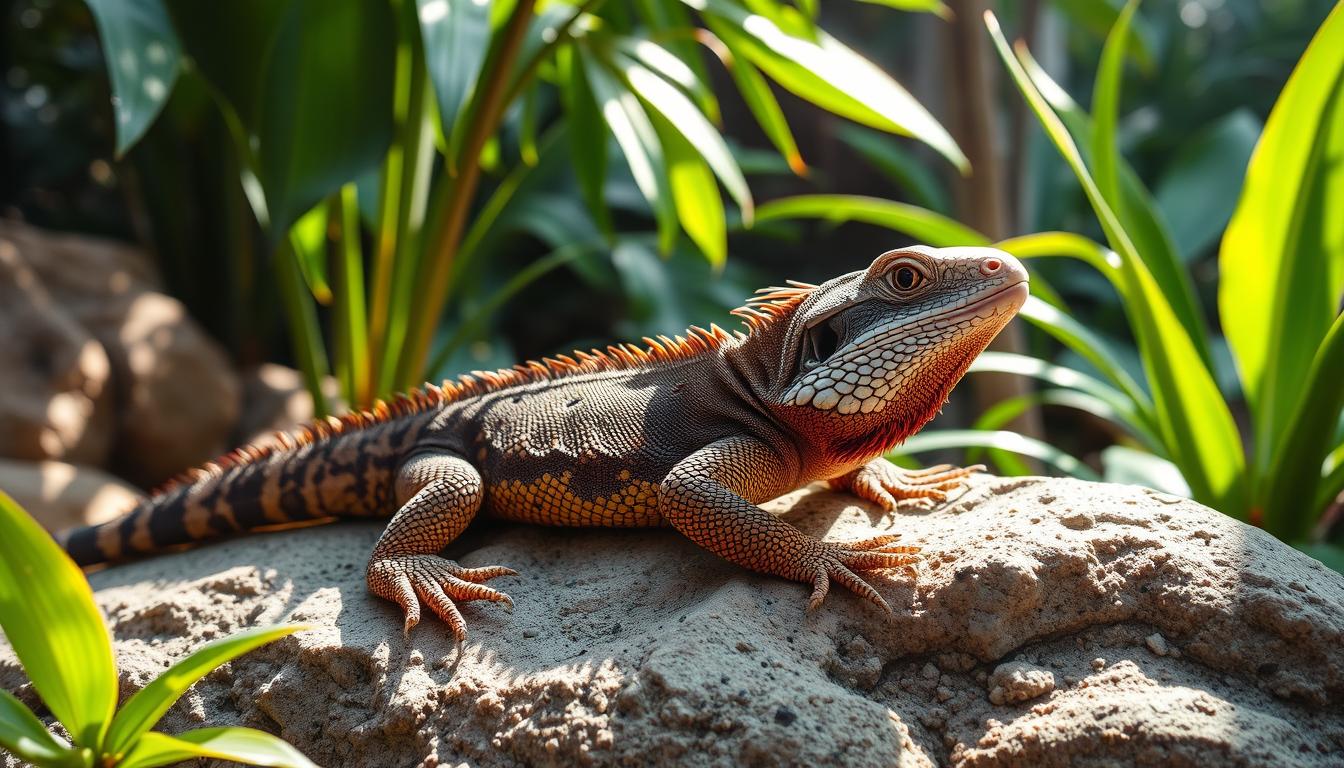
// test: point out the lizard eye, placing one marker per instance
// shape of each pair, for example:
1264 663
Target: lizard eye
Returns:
906 278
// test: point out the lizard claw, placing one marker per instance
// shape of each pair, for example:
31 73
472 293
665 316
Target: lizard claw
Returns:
886 485
409 580
836 561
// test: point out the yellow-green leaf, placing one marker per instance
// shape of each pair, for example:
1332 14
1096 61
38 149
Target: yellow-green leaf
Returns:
144 709
48 615
1281 263
241 745
699 206
24 735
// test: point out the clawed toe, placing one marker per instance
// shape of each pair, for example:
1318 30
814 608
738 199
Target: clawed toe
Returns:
410 580
839 562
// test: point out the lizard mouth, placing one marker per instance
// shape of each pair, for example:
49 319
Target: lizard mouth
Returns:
820 342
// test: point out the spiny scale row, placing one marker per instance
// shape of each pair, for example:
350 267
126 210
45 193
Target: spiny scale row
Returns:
767 306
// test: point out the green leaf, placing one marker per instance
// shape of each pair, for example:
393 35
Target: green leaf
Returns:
456 36
763 104
143 60
49 617
682 114
894 160
241 745
643 153
309 237
24 735
1193 418
928 227
1282 257
1333 483
699 206
1106 108
829 74
1099 17
1121 464
587 136
1086 343
943 439
1198 189
916 6
1138 215
144 709
229 44
1119 407
1291 486
1045 244
326 105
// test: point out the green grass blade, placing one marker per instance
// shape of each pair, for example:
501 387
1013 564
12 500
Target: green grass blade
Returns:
699 207
24 735
1007 441
682 115
1193 418
1140 218
309 237
49 617
829 74
1281 263
1291 487
587 136
519 280
1067 244
240 745
305 334
1120 408
1090 346
1122 464
932 228
144 709
765 107
352 314
629 124
1106 109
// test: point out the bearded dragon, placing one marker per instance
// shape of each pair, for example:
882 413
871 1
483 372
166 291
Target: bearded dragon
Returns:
693 432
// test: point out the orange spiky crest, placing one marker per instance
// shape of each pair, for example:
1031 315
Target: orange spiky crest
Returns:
762 310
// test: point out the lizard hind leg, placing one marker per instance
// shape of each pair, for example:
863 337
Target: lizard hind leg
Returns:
439 494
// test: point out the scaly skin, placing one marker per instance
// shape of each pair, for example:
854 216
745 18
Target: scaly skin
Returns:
692 432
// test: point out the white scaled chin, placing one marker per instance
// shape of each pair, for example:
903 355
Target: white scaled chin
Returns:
862 388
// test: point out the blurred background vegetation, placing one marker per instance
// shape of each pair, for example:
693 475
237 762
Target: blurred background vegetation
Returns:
391 191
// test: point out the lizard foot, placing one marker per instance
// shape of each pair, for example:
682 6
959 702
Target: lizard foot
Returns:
409 580
886 484
838 562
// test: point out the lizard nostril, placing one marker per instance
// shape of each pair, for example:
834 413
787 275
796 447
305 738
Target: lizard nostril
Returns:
990 266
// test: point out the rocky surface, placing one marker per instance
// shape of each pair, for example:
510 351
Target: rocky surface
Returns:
103 368
1053 623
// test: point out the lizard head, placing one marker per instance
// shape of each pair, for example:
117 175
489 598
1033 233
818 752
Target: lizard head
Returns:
871 356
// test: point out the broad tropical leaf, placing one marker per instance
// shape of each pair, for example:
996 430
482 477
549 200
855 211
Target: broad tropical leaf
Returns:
56 631
1282 257
143 60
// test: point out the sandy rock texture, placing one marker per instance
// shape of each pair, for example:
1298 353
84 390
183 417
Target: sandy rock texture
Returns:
63 495
1053 623
105 369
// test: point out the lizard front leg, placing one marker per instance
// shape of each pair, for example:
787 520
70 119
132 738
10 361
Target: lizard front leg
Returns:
439 494
710 497
886 484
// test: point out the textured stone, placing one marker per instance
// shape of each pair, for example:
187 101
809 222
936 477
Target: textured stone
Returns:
174 398
63 495
716 666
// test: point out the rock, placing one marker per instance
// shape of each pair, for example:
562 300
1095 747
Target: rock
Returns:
1260 681
276 400
55 385
63 495
1017 681
176 399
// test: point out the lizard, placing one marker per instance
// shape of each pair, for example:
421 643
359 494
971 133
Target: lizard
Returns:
693 432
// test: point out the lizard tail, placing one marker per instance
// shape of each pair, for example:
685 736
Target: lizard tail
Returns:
346 474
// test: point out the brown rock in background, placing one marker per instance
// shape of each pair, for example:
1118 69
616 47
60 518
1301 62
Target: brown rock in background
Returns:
175 398
55 387
276 400
61 495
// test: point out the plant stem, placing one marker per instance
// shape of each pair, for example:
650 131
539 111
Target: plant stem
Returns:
487 107
304 334
352 319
